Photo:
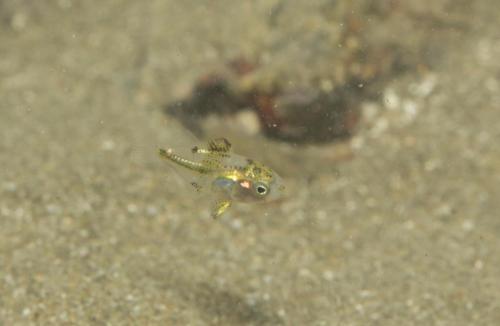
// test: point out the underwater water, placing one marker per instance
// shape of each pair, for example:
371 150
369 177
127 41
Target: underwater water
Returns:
381 118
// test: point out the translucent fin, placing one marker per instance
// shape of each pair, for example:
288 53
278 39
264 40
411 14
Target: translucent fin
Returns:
178 141
220 207
221 145
215 146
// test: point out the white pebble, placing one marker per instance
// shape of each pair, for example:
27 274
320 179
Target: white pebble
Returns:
425 87
10 186
467 225
410 110
236 224
391 99
328 275
53 209
108 145
365 293
152 210
132 208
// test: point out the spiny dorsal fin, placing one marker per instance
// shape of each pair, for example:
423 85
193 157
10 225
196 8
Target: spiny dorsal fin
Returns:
218 150
220 145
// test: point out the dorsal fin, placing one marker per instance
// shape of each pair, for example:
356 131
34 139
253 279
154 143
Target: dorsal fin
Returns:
220 145
217 151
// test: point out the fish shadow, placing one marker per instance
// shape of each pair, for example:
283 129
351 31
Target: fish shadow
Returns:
221 307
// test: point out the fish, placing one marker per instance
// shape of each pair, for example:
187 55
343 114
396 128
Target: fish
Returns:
228 176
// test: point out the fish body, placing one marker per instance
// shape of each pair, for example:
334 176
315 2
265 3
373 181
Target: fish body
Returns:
232 177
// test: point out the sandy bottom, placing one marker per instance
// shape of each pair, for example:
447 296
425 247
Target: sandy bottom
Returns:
95 230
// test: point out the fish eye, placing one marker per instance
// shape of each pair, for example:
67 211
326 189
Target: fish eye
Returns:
261 189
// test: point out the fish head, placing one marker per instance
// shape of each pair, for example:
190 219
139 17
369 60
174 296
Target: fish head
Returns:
259 183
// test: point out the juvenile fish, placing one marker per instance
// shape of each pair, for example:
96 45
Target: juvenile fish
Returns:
231 177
